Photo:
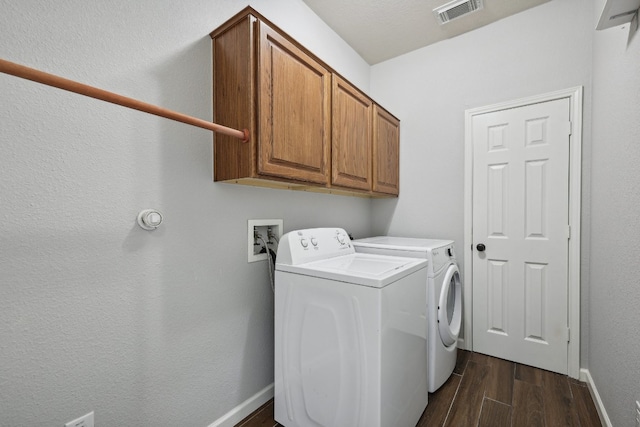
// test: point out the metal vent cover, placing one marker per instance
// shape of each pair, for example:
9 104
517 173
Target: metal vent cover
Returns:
456 9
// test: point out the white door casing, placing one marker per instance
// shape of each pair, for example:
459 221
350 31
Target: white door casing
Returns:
522 197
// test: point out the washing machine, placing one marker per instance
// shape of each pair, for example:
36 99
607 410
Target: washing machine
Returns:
444 295
350 334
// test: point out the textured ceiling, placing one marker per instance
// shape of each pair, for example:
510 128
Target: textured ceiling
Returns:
382 29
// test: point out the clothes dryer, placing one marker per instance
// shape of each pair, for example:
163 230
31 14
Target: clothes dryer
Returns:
444 295
350 334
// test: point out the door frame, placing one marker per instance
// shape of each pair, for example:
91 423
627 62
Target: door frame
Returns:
574 95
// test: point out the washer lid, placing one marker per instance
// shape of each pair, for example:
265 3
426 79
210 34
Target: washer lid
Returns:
370 270
401 243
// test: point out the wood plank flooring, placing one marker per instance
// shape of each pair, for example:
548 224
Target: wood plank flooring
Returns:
488 392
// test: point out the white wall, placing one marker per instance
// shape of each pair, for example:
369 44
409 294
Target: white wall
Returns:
173 327
541 50
162 328
614 353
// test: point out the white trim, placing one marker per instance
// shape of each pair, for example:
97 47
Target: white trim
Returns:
244 409
585 376
575 173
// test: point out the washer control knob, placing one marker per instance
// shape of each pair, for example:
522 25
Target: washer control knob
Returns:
304 242
340 238
314 241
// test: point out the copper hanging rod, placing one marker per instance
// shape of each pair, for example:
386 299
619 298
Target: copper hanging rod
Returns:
38 76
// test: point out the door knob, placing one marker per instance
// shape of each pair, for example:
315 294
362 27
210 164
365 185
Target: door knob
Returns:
481 247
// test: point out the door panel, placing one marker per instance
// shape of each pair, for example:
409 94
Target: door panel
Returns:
535 289
498 175
520 212
497 299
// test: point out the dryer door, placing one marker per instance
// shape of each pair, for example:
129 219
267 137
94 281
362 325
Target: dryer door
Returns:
450 306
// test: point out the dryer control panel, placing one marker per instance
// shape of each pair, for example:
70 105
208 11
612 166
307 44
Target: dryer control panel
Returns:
302 246
442 256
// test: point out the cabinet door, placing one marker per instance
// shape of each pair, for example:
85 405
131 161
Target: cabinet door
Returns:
294 94
351 134
386 152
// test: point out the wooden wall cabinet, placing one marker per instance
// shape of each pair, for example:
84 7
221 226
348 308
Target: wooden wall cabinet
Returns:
309 128
351 136
294 93
386 152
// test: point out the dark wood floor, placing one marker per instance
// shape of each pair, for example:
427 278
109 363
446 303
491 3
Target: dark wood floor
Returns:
485 391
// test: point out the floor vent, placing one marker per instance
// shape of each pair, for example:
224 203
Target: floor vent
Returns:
456 9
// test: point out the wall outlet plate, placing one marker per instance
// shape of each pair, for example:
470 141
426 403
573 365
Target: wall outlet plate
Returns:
83 421
261 226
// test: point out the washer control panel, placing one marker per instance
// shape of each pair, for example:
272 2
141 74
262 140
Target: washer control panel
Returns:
300 246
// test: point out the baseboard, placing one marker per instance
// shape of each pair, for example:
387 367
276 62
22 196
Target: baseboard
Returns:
585 376
244 409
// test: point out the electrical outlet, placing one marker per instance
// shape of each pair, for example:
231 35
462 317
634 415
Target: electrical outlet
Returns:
84 421
264 228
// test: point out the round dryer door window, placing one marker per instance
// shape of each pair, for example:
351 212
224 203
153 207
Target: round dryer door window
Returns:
450 307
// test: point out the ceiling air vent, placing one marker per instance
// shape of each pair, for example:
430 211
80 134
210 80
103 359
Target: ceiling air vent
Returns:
456 9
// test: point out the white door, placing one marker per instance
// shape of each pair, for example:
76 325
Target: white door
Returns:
521 216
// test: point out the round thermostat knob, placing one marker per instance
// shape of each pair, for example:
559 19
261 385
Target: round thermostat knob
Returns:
149 219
